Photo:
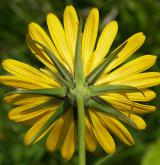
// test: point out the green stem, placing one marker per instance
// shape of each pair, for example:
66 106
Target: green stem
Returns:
81 130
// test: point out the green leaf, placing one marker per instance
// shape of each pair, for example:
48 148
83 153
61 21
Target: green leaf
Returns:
64 106
60 92
101 105
60 67
78 72
104 88
95 74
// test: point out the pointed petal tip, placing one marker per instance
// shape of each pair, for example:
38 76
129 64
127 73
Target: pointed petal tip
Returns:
114 22
112 150
141 34
94 11
69 7
5 62
32 25
26 141
50 16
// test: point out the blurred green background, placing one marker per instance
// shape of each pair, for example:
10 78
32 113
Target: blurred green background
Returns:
133 16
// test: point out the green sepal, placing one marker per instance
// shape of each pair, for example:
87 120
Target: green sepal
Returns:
64 106
59 92
101 89
101 105
60 67
59 79
78 68
96 73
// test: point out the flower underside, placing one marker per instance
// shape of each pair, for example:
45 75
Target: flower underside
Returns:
81 88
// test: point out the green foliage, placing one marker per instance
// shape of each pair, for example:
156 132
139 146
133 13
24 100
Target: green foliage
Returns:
132 16
152 154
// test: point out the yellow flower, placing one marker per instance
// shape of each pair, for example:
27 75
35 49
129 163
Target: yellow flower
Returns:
127 84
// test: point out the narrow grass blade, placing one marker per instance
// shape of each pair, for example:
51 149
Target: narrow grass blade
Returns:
101 105
64 106
94 75
60 67
78 72
104 88
59 92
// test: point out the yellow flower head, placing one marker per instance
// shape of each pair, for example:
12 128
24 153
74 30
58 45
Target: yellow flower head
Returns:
82 82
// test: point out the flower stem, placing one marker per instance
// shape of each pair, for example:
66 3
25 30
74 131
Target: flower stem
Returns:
81 130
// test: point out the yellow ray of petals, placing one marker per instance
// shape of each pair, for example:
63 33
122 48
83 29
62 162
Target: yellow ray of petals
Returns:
38 34
141 124
36 128
104 43
147 95
102 135
23 99
70 20
125 105
23 70
58 36
89 36
133 44
47 72
23 113
89 139
37 51
55 134
117 128
18 82
32 121
131 68
68 144
142 80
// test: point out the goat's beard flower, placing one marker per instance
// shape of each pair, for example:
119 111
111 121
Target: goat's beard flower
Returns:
45 98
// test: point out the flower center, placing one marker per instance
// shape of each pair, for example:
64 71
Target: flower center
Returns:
74 91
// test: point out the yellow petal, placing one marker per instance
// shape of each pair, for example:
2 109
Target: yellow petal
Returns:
17 82
131 68
104 43
23 99
68 144
58 36
89 36
59 132
89 139
26 112
25 71
32 121
55 134
37 51
133 44
38 34
102 135
47 72
117 128
142 80
71 27
141 124
126 105
36 128
147 95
